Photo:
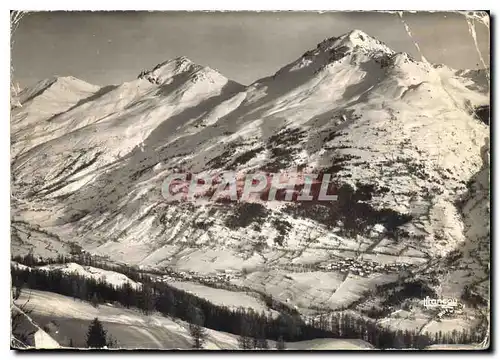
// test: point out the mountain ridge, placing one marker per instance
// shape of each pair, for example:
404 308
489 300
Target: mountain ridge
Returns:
353 40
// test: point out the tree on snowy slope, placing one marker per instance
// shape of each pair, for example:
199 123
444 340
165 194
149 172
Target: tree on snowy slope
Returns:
261 341
147 299
280 344
245 341
94 301
198 333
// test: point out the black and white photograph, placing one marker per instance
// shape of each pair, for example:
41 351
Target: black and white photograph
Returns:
250 180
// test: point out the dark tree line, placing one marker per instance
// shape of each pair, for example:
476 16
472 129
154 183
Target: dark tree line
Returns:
253 327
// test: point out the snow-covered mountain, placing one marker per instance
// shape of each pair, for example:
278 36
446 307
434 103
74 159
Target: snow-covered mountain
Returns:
400 137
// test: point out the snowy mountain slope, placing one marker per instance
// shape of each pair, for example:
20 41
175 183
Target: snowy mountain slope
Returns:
101 131
60 89
41 102
132 329
398 136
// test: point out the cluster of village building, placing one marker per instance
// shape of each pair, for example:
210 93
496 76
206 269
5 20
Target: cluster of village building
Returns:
210 279
363 267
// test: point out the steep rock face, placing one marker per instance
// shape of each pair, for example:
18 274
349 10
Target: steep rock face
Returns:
396 134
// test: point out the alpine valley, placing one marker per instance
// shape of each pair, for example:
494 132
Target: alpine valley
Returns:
406 142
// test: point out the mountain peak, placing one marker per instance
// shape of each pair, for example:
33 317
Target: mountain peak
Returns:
355 45
164 72
55 84
356 33
355 39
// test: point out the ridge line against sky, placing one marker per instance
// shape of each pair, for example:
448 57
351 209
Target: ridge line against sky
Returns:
111 48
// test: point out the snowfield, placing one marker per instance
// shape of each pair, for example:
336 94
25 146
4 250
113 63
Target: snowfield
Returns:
111 277
221 297
44 341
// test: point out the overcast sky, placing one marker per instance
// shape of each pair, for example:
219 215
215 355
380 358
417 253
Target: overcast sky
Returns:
110 48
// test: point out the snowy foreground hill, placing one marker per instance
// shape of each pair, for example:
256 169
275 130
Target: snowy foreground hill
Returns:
401 138
66 319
